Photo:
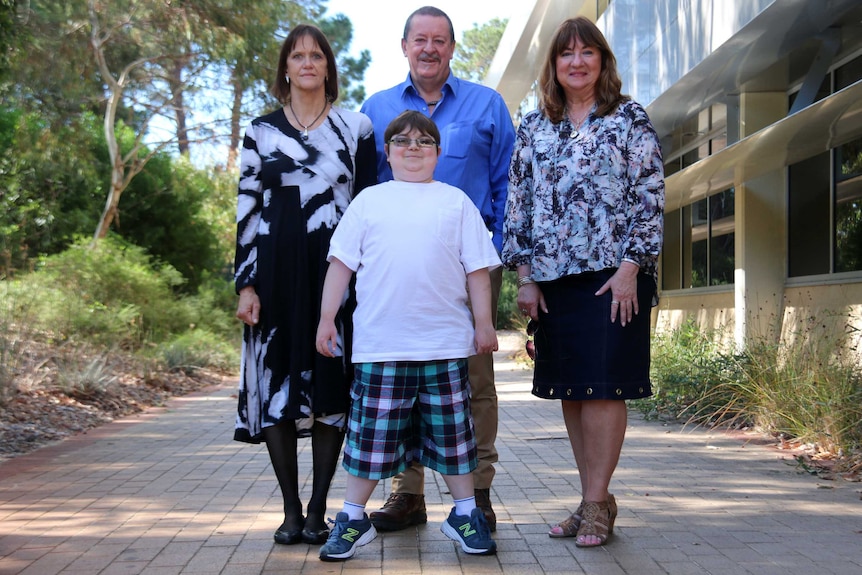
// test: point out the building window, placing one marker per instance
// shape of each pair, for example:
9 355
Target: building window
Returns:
699 244
848 207
825 203
808 218
825 212
848 186
699 137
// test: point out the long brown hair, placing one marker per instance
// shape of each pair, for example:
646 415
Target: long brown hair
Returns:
552 99
281 88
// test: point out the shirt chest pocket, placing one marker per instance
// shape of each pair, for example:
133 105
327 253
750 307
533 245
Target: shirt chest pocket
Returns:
457 138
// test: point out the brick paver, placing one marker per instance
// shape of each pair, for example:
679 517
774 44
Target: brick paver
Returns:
168 492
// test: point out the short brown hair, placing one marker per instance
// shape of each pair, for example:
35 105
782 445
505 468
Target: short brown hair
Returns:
412 120
552 99
281 88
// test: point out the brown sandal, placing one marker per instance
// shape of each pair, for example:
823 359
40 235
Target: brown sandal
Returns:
598 521
569 526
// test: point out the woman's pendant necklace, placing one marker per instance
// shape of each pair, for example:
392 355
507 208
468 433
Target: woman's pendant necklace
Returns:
298 121
576 128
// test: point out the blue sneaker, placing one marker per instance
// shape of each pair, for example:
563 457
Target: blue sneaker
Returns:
472 532
346 537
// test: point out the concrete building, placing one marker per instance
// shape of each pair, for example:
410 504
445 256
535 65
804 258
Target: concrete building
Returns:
759 107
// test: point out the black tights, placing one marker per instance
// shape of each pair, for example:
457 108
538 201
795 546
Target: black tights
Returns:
326 443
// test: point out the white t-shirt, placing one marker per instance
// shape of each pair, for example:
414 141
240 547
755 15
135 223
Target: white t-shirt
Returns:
412 246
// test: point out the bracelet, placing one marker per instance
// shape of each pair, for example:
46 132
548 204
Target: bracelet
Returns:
524 280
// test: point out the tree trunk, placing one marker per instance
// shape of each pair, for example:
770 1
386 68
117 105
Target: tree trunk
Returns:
235 115
178 104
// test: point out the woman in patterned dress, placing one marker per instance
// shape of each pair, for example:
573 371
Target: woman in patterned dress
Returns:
301 165
584 230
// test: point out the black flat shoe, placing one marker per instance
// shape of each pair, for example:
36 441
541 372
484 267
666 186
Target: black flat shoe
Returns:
285 536
315 536
290 537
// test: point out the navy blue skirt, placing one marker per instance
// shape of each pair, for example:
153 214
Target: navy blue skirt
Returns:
580 354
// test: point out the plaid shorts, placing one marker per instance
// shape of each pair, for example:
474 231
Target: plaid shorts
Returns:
410 410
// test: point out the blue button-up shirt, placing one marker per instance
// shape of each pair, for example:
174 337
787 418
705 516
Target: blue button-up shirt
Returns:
477 136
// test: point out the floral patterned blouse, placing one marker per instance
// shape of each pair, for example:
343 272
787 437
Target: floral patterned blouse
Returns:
585 200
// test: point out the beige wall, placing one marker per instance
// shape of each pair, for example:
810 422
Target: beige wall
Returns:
814 315
817 315
713 311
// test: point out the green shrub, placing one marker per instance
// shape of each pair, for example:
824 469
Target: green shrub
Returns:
172 210
508 314
19 324
85 378
686 366
198 349
113 293
213 307
808 390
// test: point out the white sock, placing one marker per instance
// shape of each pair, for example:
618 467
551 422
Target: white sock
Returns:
465 506
354 510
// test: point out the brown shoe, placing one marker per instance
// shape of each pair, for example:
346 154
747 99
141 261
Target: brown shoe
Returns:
483 502
400 511
598 522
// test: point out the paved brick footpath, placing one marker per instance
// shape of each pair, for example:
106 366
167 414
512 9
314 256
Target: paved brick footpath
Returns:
168 492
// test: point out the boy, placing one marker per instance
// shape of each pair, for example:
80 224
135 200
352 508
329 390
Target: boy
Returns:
419 249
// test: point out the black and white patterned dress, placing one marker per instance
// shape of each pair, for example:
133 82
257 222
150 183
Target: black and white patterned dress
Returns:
292 193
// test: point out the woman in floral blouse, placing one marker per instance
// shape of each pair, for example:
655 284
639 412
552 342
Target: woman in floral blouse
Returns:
584 230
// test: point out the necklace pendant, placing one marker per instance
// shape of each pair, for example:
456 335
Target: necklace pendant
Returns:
575 134
305 134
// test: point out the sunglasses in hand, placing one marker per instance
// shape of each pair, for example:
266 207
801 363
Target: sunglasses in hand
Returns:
532 326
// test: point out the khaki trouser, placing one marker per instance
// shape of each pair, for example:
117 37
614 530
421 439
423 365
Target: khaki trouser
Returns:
483 404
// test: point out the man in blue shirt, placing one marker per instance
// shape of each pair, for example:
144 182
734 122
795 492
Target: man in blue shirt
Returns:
477 136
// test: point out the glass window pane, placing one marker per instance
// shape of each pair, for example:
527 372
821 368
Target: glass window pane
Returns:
721 238
848 207
721 259
809 229
671 252
848 160
699 243
698 264
848 73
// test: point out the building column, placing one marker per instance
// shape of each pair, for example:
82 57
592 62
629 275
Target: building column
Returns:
761 231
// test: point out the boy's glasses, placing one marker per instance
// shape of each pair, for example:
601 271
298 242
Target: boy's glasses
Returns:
532 326
405 142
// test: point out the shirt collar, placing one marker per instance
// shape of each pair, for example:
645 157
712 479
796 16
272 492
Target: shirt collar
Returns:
452 83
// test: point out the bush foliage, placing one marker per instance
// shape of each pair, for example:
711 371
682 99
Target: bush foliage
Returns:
808 393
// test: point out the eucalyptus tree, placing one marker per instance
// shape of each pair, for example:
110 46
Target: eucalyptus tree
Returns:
351 71
250 59
132 43
9 31
162 75
476 50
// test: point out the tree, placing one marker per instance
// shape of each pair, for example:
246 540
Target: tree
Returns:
250 59
476 50
339 32
153 71
9 31
147 56
253 63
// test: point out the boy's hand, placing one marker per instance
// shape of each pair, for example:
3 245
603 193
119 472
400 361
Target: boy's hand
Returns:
486 339
327 338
